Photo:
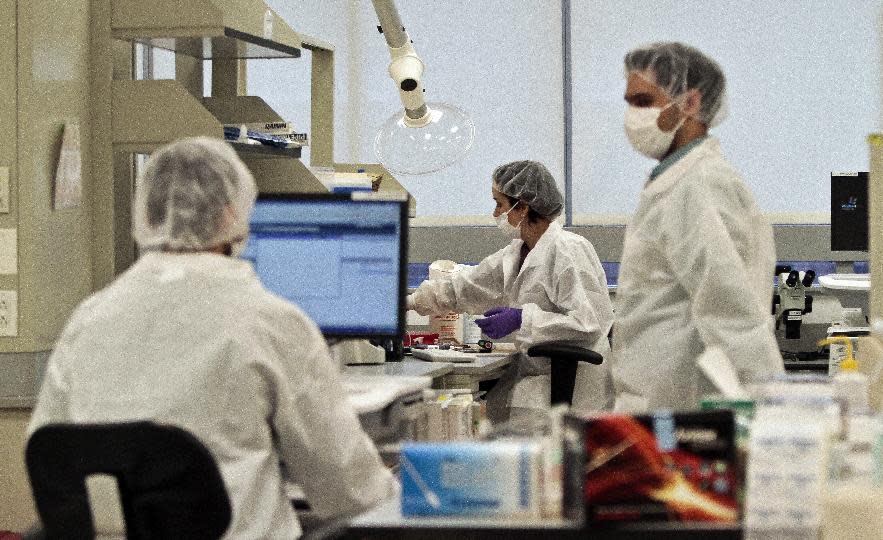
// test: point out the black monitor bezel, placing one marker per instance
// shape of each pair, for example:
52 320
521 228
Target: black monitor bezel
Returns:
838 247
403 254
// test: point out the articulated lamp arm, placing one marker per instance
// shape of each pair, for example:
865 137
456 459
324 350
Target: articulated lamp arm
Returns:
406 67
429 136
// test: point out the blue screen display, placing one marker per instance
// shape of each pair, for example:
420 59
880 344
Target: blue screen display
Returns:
339 260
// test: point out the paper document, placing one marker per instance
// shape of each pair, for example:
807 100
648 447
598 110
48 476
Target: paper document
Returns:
68 174
8 251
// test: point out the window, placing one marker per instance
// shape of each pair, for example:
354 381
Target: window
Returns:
498 60
803 94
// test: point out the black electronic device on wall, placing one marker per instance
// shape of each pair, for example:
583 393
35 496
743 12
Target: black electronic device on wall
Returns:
849 211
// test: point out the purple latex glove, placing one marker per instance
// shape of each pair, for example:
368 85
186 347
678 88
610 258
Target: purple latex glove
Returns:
500 321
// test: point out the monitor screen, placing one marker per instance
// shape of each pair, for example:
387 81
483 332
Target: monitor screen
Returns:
342 260
849 211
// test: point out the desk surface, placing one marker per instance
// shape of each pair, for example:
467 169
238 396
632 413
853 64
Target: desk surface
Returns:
807 365
483 364
386 521
412 367
388 515
409 367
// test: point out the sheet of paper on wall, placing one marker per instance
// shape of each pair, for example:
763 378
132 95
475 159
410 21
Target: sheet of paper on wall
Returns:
8 251
68 174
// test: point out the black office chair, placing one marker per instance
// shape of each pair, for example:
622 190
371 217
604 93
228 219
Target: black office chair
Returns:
565 358
169 484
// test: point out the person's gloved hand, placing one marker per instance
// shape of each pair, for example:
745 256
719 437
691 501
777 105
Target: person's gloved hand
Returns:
500 321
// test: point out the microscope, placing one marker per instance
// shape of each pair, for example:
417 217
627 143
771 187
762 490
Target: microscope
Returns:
791 303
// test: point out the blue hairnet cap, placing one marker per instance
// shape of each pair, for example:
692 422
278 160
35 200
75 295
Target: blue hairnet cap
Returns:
531 182
677 68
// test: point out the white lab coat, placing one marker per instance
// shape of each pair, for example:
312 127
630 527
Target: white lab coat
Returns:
194 340
562 290
697 271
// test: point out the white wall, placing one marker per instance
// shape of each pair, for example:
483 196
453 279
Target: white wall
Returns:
804 85
498 60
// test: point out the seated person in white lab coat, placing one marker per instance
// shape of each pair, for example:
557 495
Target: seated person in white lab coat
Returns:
188 336
546 285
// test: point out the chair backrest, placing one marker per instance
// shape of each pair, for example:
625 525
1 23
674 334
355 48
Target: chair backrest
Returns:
169 484
565 358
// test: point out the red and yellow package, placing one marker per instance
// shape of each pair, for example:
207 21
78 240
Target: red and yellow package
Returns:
666 466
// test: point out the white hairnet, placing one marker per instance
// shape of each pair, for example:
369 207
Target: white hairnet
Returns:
194 194
531 182
677 68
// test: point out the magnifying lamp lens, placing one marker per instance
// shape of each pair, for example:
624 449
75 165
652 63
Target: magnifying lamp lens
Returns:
444 140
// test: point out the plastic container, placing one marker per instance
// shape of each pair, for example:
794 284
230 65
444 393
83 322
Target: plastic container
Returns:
449 326
870 359
850 386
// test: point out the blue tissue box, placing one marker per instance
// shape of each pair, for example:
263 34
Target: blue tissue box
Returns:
501 478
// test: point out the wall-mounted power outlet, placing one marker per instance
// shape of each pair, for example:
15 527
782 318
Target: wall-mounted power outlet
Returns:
8 313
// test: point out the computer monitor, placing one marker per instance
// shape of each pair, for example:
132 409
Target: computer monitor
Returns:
849 211
340 258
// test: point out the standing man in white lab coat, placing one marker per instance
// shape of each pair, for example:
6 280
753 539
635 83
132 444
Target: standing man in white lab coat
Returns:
698 260
188 336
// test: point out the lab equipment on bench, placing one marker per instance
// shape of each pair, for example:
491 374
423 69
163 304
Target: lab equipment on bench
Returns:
849 211
387 407
853 292
452 327
803 316
850 386
786 473
450 415
357 352
791 302
837 347
340 258
442 355
849 233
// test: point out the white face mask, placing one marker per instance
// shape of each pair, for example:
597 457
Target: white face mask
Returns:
644 133
512 231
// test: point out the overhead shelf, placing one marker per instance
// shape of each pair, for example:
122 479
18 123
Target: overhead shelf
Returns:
206 29
148 114
258 150
388 182
152 113
233 46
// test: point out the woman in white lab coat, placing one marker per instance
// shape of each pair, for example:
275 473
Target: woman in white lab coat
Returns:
546 285
188 336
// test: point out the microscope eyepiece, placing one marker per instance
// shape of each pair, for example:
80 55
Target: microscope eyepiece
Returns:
808 278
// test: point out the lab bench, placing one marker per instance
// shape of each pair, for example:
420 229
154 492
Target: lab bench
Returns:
409 367
444 374
383 395
386 521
